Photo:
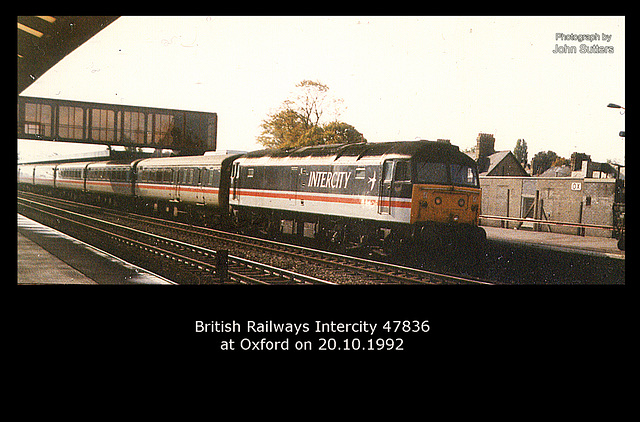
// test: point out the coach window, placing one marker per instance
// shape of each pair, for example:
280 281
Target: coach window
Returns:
204 174
167 176
184 176
250 172
189 180
196 176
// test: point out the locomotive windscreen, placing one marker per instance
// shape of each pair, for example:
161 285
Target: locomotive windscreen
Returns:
463 175
446 174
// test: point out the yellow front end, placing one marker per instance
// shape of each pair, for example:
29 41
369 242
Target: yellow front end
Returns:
445 204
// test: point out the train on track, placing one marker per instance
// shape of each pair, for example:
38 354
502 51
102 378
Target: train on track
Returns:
387 195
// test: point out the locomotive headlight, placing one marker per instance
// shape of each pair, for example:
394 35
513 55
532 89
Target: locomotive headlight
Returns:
461 202
438 200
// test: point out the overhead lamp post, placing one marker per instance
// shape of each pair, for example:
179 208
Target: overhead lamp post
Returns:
612 105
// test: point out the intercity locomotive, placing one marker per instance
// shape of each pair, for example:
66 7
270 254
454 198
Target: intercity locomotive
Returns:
385 194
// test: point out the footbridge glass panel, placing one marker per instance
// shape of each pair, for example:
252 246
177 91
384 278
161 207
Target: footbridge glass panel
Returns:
111 124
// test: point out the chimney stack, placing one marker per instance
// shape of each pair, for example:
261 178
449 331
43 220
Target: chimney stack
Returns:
485 145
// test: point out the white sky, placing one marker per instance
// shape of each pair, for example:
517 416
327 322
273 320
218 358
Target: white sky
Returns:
400 77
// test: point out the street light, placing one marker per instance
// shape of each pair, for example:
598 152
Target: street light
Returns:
612 105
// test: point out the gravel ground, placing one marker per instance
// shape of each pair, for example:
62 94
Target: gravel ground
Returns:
312 268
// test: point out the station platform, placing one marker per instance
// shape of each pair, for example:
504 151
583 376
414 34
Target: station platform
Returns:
47 256
588 245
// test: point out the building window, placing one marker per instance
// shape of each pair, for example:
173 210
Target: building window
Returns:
133 127
163 129
211 133
71 122
37 119
102 125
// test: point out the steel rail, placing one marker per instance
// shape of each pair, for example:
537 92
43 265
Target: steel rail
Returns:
376 269
286 275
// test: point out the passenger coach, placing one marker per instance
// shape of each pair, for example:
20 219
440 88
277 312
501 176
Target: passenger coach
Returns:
194 185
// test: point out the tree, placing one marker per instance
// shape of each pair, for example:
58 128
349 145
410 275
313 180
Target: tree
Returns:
542 161
561 161
341 133
520 151
311 101
298 121
283 129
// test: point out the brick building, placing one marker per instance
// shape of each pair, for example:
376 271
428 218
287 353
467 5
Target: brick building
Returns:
560 199
589 195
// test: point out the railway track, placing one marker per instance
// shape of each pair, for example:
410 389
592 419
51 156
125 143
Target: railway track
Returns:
373 271
196 264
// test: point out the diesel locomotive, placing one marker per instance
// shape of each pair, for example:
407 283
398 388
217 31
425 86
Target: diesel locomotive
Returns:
388 195
375 194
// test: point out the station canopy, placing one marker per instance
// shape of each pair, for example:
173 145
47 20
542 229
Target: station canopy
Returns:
45 40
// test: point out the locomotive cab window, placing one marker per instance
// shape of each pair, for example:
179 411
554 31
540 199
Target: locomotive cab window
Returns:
402 178
387 171
463 175
432 173
403 172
